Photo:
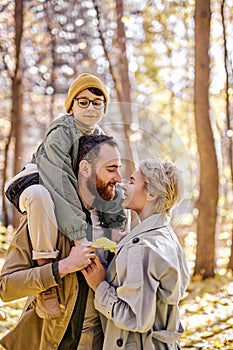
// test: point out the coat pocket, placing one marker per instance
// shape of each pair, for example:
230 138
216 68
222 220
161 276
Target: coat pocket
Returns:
166 336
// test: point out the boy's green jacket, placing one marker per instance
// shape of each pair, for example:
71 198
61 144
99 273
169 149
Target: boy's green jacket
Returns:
56 159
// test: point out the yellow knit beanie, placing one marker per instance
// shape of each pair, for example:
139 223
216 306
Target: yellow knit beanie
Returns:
83 82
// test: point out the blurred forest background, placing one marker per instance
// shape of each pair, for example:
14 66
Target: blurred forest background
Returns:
168 68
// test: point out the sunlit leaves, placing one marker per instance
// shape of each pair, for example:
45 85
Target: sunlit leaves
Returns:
206 314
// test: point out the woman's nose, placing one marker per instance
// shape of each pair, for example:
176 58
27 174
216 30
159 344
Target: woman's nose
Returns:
124 183
118 177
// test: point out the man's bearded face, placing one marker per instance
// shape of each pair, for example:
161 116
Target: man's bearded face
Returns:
98 187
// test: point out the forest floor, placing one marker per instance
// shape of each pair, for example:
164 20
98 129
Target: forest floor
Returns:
206 310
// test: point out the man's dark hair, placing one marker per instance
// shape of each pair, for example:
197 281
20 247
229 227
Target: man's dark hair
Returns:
89 146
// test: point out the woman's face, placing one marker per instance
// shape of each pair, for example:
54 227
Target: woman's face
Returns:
135 193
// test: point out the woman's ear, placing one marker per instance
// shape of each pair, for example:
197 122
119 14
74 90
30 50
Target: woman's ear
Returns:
84 168
151 197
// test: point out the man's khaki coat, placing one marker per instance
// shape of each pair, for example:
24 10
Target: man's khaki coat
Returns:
20 278
143 287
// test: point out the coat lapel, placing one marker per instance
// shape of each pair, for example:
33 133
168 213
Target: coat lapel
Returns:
152 222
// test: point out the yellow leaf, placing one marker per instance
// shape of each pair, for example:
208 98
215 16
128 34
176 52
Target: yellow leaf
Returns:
206 334
230 322
105 243
218 344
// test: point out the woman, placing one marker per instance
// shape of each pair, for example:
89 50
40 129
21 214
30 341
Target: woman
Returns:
140 293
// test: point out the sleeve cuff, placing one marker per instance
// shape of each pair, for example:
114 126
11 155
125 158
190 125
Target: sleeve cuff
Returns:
105 298
76 235
56 274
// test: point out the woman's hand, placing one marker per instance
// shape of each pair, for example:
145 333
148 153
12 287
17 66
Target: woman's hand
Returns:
94 273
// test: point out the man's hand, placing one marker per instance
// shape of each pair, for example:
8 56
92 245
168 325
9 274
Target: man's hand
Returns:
94 273
80 257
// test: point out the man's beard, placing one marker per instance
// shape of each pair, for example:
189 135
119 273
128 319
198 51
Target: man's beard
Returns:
100 188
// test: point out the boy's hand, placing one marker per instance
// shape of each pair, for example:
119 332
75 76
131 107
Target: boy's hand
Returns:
117 234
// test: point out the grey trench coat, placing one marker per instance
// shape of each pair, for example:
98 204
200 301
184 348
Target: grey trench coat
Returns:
144 284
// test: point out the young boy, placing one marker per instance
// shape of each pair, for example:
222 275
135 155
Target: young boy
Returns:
47 187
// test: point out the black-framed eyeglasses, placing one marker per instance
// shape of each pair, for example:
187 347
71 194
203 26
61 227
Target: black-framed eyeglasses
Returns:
84 102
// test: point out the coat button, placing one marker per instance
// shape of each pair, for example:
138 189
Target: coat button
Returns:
119 342
136 240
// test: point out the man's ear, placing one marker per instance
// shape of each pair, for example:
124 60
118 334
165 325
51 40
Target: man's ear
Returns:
84 168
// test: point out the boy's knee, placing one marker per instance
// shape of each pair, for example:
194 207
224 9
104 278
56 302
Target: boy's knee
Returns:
36 194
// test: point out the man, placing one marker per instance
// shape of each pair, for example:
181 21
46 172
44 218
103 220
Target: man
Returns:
79 325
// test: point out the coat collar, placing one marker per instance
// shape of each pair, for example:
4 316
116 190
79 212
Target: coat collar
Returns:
152 222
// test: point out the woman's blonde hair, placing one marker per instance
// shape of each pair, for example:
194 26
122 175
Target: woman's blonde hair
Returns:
163 180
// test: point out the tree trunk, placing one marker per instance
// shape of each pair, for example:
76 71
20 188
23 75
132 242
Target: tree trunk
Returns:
17 96
208 199
5 217
124 90
122 86
229 76
53 58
